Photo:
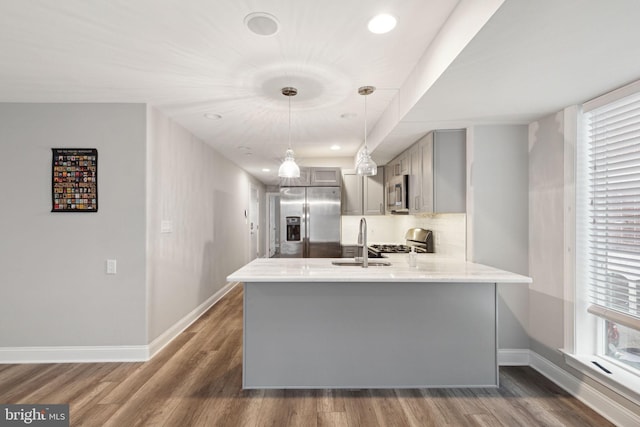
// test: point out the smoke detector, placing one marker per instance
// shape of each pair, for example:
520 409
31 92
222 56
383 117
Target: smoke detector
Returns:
262 24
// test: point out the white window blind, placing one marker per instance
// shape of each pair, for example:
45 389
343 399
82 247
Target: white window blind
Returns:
614 223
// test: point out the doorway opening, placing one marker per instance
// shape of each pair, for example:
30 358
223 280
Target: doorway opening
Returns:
254 229
273 228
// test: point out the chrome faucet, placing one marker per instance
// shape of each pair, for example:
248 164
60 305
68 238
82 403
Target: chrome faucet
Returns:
362 241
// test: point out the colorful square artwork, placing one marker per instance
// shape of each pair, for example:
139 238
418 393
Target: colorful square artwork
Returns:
74 180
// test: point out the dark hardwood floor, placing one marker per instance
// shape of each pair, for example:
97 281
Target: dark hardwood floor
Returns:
196 381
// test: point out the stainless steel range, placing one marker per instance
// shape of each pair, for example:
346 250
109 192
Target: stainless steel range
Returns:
418 238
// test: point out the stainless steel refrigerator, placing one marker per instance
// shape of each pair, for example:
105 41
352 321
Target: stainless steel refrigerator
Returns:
310 222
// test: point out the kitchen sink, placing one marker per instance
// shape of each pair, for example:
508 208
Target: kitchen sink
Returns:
352 263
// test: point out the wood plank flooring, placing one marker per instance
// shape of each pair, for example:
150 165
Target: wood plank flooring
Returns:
196 381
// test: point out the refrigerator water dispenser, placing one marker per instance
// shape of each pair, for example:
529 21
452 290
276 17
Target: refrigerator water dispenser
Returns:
293 229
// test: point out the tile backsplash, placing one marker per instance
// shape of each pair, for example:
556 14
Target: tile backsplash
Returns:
449 230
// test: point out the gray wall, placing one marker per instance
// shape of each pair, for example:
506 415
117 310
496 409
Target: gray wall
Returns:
547 187
497 218
546 234
53 286
204 195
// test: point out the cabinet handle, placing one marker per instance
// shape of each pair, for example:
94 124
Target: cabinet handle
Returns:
417 202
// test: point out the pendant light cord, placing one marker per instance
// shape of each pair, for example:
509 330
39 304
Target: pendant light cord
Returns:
365 121
289 96
365 91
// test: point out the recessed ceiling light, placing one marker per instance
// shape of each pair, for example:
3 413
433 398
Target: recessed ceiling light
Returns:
266 170
262 24
212 116
335 147
382 23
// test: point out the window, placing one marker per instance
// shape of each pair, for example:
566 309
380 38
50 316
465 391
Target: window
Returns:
622 344
612 226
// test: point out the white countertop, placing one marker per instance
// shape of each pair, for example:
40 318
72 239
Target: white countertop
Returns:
430 268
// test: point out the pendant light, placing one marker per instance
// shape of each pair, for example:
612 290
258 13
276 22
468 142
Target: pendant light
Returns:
365 165
289 168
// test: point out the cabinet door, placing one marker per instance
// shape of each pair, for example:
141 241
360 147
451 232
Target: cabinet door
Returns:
405 164
351 194
426 179
388 173
349 251
374 193
325 177
415 179
450 177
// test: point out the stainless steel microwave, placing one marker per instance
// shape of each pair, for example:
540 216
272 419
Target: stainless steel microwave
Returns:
398 194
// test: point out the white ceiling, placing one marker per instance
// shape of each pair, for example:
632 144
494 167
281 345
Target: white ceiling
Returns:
435 70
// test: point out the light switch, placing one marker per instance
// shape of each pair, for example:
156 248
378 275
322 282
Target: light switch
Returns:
111 266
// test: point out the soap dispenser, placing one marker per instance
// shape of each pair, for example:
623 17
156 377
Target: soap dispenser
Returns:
413 257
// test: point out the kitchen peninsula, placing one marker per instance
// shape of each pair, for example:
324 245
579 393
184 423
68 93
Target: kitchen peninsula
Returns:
311 324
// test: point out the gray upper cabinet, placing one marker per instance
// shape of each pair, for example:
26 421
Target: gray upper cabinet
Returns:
362 195
314 177
421 177
373 193
302 181
389 172
351 193
329 177
437 172
450 171
401 164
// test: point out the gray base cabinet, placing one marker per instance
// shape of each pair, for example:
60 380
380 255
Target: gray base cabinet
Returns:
369 335
349 251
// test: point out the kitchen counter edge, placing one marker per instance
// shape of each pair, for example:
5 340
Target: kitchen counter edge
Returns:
429 269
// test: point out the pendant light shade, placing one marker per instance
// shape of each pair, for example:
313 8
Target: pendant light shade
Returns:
365 165
289 168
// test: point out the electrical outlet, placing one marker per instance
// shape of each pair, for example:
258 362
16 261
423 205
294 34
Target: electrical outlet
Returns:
111 266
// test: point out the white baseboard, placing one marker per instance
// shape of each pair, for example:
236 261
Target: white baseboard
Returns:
170 334
74 354
94 354
514 357
599 402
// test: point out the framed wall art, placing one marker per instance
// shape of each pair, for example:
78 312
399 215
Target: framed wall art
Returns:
74 180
